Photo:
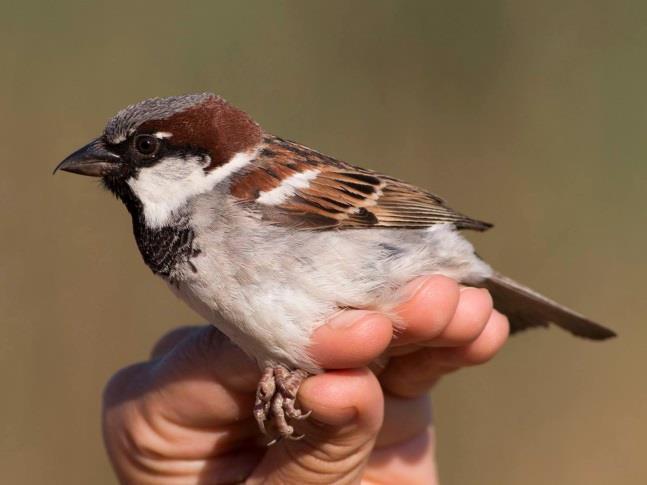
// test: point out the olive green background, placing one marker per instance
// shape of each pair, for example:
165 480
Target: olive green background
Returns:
528 114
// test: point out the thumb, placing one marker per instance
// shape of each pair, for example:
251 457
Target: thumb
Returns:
347 411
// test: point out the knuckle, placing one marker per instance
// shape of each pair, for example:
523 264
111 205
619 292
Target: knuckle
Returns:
201 344
125 428
141 438
131 429
168 341
124 384
205 338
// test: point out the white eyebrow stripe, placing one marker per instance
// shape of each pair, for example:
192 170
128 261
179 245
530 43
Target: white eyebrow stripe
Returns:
235 163
162 134
287 188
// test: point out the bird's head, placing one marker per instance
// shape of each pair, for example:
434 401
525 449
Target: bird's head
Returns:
157 154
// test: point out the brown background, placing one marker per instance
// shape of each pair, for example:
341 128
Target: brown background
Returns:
529 114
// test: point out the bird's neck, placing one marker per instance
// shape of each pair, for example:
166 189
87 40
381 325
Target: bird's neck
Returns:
165 248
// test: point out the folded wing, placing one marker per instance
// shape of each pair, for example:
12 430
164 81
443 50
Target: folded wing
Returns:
297 186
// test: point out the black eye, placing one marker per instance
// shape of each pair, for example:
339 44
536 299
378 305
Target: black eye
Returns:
146 145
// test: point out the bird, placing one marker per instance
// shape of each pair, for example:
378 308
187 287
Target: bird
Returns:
266 238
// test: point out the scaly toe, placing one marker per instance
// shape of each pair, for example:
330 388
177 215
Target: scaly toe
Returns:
276 402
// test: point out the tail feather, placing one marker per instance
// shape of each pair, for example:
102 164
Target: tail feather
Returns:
526 308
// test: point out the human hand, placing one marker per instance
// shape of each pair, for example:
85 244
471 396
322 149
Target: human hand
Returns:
185 415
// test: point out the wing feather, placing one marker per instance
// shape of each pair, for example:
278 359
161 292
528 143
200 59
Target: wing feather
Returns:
339 195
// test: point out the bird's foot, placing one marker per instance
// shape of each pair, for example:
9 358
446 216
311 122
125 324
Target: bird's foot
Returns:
275 401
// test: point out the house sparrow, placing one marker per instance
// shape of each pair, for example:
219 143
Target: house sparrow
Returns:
266 238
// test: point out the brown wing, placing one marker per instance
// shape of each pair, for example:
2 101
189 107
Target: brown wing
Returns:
295 185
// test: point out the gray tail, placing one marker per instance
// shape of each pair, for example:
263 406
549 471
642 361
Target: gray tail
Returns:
526 308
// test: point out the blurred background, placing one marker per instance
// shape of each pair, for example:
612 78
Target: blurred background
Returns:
528 114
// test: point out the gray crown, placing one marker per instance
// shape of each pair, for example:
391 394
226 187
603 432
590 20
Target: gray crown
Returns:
128 119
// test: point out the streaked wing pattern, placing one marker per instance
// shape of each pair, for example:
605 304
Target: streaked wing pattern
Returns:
297 186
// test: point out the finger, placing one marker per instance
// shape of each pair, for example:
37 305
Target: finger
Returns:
351 339
170 340
217 375
412 375
472 314
429 303
204 383
404 418
484 348
347 412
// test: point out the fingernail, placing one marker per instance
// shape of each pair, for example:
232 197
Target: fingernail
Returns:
412 288
348 318
469 288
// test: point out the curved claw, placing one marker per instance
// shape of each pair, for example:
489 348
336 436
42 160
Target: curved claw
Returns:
302 416
260 416
276 401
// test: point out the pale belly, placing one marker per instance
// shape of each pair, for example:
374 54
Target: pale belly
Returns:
269 296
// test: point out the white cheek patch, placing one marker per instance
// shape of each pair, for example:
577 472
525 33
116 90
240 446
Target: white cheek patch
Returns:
287 188
172 182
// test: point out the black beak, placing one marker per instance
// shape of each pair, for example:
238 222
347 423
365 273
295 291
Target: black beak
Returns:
94 160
